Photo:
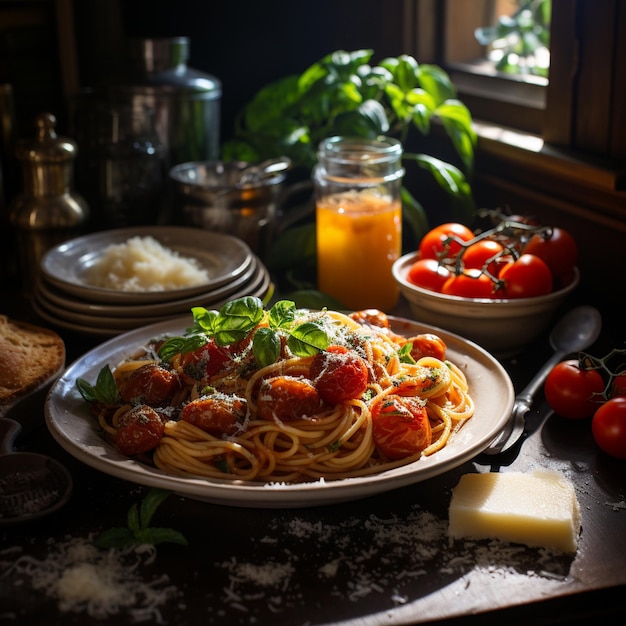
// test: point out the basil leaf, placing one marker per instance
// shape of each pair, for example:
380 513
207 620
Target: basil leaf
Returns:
104 391
150 504
204 319
155 536
266 346
115 538
132 519
282 314
307 339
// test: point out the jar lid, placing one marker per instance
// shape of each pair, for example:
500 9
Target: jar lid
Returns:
46 147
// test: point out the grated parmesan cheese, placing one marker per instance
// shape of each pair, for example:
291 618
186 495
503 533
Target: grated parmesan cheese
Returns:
81 578
143 264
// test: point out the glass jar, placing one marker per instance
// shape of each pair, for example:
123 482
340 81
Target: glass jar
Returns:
359 220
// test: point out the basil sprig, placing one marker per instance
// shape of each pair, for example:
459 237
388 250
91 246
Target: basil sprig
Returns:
237 318
104 391
138 529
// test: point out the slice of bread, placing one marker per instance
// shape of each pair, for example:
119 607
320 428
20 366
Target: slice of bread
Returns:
30 356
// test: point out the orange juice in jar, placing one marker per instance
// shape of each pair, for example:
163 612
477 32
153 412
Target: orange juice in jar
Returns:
359 236
358 220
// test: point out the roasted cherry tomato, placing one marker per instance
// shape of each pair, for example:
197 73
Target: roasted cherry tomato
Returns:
427 344
400 427
206 361
557 248
527 277
436 243
287 398
609 427
428 274
216 414
371 317
573 392
139 430
471 284
150 384
339 375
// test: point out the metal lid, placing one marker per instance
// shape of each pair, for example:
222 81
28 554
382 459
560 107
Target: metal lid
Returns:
47 147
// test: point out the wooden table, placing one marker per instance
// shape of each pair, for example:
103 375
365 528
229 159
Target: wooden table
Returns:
381 560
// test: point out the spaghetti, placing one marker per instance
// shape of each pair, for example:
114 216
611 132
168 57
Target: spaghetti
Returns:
367 400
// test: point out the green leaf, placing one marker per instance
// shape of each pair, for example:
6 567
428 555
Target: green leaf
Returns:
369 120
307 339
114 538
104 391
150 504
132 519
292 248
156 536
266 346
237 318
437 83
282 314
414 216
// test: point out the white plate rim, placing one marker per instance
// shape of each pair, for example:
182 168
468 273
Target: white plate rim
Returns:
225 255
75 430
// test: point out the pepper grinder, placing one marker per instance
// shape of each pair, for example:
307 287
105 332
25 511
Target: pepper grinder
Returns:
48 211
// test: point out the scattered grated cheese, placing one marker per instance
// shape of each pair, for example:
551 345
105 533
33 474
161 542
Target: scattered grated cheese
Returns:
84 579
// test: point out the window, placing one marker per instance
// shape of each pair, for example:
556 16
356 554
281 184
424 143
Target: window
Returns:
578 110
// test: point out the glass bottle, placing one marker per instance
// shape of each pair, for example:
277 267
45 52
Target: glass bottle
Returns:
48 211
359 220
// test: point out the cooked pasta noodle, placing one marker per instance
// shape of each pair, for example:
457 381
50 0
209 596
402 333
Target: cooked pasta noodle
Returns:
336 440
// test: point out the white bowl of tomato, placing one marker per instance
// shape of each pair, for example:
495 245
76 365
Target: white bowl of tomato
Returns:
495 288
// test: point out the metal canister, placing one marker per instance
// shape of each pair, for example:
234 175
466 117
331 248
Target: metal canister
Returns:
48 211
186 102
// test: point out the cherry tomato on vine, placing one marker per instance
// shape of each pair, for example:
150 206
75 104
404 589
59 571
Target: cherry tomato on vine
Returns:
618 386
471 284
432 245
527 277
477 255
609 427
557 248
572 392
427 273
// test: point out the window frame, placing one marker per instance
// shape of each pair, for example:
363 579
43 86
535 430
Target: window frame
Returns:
573 123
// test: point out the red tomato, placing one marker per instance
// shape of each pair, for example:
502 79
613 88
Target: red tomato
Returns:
471 284
400 427
427 273
432 245
287 398
557 248
216 414
528 277
618 386
206 361
139 430
427 344
572 392
339 375
609 427
477 255
150 384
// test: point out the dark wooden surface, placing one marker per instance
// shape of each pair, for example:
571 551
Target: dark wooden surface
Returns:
364 562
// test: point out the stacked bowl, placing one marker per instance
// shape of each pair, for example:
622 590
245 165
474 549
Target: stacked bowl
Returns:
67 296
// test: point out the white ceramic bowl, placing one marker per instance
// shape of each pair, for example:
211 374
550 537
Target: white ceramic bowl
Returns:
502 326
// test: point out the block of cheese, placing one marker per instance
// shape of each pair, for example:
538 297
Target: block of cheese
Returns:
535 509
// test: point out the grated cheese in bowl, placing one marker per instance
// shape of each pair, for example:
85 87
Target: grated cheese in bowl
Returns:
143 264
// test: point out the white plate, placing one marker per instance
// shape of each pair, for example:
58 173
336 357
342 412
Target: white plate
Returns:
223 256
76 430
71 308
257 286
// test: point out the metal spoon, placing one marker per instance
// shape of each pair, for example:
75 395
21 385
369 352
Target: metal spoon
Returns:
576 330
31 485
